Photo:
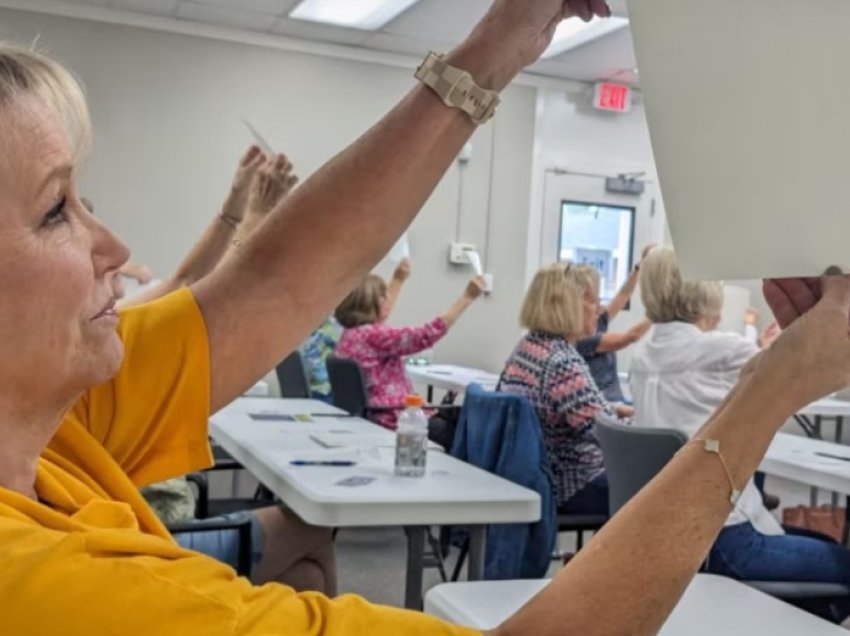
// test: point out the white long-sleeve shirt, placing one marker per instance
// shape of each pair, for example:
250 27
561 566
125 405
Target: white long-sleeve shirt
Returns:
679 376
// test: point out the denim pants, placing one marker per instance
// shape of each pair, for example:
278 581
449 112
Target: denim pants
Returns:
741 552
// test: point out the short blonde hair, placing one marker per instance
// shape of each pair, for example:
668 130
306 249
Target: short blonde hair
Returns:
667 297
553 302
27 74
589 278
363 305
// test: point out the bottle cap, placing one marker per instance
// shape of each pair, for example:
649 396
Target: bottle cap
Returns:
414 401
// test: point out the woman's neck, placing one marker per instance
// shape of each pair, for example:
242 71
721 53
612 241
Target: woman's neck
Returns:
24 437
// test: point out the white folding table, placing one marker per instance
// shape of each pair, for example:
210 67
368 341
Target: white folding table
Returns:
450 377
712 605
451 493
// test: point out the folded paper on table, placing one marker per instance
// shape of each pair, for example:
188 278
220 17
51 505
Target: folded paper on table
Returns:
748 123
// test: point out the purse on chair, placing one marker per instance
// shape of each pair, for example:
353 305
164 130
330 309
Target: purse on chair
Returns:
828 520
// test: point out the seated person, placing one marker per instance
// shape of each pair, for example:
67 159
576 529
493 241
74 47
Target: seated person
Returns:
680 375
97 404
322 342
380 349
561 308
600 350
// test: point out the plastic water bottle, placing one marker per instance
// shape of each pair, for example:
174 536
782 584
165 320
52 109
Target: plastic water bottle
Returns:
411 445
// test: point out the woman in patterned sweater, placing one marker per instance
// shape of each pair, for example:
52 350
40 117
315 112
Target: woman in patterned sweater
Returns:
380 349
560 308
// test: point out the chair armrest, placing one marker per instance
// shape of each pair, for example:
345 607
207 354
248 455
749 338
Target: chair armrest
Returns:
244 557
202 505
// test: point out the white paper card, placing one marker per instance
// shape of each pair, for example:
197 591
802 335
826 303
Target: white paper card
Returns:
264 145
400 250
475 261
748 114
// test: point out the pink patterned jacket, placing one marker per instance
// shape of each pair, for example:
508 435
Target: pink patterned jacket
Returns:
380 350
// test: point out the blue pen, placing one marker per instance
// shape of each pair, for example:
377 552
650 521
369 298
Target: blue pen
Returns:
335 462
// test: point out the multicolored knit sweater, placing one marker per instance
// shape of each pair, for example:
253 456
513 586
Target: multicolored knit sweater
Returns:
549 371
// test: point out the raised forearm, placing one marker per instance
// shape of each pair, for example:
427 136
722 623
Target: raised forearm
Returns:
327 235
619 302
630 577
456 310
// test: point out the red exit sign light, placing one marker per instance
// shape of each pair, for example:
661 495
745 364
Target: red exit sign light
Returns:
614 98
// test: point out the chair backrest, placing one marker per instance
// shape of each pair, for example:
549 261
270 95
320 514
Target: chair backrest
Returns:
292 377
633 456
348 386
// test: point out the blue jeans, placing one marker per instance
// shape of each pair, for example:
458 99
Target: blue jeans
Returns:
590 500
741 552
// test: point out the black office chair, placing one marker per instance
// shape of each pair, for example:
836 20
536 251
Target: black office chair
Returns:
633 456
292 377
348 388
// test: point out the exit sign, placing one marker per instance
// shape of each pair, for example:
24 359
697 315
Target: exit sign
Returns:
614 98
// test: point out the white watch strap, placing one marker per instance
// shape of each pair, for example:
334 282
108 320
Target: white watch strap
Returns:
457 89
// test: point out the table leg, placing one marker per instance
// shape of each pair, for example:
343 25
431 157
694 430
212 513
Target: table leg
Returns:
415 567
818 421
477 545
813 496
839 429
430 399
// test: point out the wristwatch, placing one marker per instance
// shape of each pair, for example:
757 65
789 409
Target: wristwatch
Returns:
457 89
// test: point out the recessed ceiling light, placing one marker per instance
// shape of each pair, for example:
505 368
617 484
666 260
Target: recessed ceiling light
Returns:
574 32
356 14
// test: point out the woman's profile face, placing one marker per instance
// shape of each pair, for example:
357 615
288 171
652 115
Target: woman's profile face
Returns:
57 265
590 312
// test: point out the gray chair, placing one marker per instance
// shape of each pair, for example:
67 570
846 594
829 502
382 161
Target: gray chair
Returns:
292 377
633 456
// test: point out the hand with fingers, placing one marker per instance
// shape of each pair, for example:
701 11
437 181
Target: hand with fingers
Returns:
811 358
271 183
234 208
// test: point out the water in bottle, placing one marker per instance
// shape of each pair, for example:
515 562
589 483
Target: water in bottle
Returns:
411 447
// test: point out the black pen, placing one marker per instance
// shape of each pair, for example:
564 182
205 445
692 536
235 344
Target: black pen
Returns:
329 462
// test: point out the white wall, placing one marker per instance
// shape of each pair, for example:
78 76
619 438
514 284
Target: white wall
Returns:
167 111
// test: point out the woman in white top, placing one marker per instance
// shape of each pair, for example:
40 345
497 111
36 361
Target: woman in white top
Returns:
679 375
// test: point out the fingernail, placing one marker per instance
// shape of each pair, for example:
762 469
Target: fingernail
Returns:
834 270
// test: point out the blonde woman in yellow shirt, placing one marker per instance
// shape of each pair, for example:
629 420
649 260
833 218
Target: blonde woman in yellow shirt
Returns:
94 405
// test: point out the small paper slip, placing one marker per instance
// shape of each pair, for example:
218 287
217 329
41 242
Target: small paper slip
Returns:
475 261
261 142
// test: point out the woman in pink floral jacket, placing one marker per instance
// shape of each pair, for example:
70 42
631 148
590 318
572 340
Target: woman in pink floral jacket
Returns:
380 349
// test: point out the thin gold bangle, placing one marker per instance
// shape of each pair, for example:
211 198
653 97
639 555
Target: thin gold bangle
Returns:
712 446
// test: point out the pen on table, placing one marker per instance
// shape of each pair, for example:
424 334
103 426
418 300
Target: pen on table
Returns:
846 459
334 462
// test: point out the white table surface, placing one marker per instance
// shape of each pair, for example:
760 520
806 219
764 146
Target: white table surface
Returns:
794 457
711 606
827 407
451 377
452 492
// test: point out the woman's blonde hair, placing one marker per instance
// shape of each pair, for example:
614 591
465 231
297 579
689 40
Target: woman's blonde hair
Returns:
26 74
363 305
667 297
589 278
553 302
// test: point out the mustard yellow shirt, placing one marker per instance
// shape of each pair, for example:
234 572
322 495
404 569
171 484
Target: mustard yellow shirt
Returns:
90 558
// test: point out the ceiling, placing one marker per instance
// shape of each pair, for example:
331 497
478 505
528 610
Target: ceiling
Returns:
428 24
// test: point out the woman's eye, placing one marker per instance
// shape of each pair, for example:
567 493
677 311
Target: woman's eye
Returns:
57 214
